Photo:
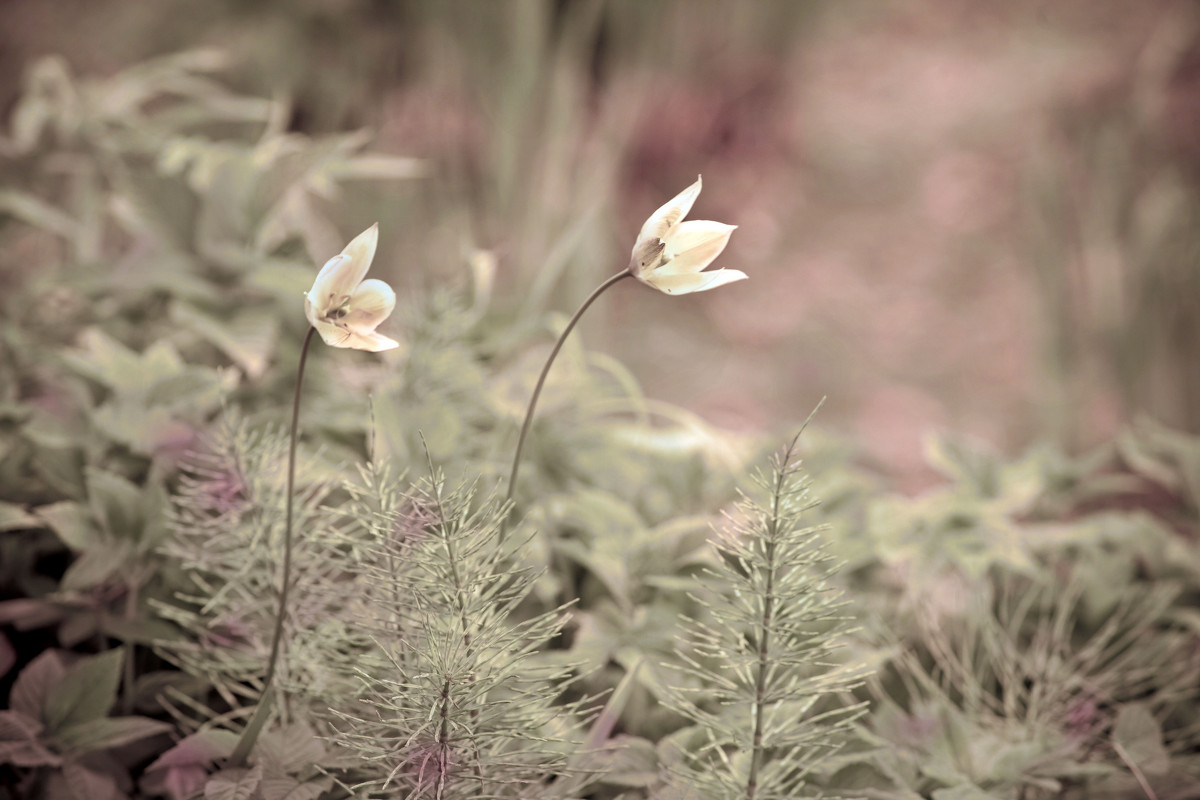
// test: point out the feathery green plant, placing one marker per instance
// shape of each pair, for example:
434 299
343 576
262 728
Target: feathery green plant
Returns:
760 679
457 698
1017 692
228 523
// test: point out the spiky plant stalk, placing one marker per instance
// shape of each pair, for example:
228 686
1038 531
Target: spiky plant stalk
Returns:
457 701
760 679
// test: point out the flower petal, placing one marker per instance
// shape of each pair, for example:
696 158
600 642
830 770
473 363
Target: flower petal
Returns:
669 214
310 311
337 336
647 256
334 283
371 342
370 305
694 245
362 248
341 274
330 333
687 283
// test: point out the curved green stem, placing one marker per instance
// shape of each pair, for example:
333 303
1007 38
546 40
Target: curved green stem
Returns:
537 389
250 735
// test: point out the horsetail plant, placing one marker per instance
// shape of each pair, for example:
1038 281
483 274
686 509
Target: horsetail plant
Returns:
758 674
458 698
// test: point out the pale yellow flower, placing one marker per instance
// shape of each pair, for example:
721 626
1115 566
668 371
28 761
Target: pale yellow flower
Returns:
344 308
670 254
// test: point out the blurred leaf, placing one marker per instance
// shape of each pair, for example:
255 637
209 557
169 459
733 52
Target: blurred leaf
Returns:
166 205
248 337
398 425
290 749
291 789
86 692
625 761
169 272
233 784
115 366
1014 760
96 565
203 748
184 767
115 502
20 743
70 521
373 166
963 462
196 389
38 213
964 791
8 654
14 518
145 631
36 685
48 93
1137 731
606 568
26 613
61 469
84 783
106 733
80 622
286 280
853 778
140 429
950 747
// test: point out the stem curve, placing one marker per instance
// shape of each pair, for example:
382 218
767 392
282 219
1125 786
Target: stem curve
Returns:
541 381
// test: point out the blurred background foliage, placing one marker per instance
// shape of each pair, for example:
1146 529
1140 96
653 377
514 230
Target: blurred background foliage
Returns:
956 216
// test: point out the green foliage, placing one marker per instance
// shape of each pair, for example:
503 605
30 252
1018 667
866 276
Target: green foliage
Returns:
461 698
170 216
1063 671
1032 622
761 677
227 523
58 730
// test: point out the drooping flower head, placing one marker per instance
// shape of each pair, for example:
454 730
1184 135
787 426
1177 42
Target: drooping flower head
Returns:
344 308
670 254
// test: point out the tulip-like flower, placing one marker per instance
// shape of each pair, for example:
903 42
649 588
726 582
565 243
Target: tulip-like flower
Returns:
344 308
670 254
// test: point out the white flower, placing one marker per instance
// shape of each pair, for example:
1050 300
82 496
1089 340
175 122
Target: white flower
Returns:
344 308
670 254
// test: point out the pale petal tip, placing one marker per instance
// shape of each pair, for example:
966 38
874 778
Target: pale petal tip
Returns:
365 242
